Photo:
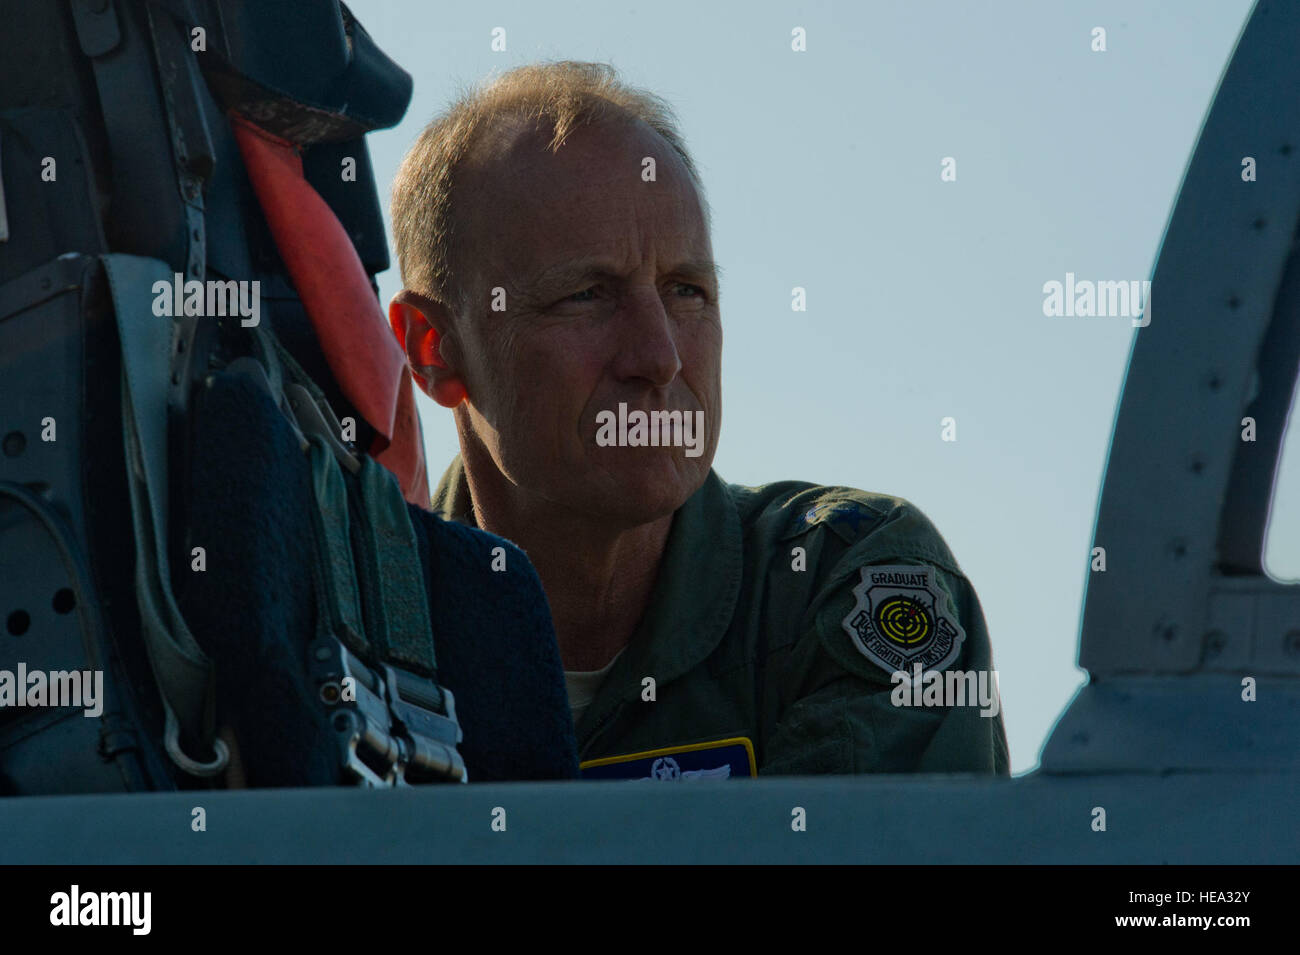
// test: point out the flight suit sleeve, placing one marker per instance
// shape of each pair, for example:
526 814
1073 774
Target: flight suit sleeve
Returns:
894 603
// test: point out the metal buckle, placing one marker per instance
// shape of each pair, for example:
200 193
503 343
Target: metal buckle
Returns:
414 703
390 731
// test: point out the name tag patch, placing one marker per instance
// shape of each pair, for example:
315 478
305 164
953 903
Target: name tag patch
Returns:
723 759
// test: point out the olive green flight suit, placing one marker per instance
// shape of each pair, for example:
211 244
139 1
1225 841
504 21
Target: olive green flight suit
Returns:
741 643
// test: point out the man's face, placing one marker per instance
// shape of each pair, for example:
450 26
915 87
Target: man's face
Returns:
610 297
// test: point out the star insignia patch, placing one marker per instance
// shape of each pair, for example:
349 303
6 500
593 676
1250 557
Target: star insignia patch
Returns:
843 512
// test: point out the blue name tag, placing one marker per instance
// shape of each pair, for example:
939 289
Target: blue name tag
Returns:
723 759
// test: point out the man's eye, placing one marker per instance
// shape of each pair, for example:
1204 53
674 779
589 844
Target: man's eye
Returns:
586 295
691 290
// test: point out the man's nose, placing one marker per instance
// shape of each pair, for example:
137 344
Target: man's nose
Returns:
647 339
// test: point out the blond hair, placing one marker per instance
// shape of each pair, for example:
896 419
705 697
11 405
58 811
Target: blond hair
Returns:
564 94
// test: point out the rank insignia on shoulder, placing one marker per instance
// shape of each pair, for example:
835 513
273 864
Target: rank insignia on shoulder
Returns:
902 618
849 513
723 759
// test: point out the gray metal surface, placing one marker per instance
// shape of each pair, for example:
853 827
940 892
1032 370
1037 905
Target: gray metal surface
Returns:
1193 372
1150 819
1183 619
1198 723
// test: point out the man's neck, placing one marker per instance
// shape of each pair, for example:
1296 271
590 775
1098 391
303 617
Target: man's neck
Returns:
597 579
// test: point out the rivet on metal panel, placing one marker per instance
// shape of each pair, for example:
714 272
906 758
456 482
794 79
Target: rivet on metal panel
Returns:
1215 641
1165 630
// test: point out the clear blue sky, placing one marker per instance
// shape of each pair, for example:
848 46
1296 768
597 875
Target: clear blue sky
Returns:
924 297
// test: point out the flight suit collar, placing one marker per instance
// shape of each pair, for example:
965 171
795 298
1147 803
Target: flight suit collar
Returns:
691 604
450 499
694 594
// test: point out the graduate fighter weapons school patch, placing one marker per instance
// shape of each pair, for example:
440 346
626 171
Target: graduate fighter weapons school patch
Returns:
902 618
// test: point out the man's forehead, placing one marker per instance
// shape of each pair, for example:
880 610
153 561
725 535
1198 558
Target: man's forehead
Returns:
588 199
518 147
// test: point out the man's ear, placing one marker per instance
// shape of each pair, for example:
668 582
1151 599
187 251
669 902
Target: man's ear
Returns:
420 325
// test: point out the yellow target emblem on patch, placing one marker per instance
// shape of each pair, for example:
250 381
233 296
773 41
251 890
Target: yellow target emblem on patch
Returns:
902 617
904 621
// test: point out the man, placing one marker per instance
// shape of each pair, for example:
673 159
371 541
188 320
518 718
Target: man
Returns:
561 296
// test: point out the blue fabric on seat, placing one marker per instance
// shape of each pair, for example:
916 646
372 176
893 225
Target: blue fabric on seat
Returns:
253 611
497 653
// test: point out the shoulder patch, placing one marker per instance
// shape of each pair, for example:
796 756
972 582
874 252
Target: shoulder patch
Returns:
846 517
902 618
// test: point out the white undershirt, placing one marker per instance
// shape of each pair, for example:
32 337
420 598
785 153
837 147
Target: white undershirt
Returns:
583 684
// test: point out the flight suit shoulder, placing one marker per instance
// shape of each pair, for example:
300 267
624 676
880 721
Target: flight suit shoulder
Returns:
834 556
849 542
882 593
872 526
896 597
